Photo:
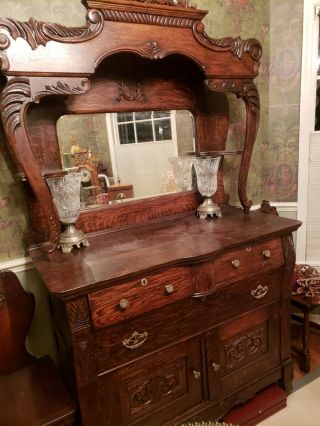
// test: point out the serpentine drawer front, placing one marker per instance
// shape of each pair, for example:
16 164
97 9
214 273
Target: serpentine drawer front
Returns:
248 259
141 295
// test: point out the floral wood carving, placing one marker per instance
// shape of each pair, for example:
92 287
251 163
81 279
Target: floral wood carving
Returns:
130 90
153 50
38 33
146 18
236 46
176 3
242 348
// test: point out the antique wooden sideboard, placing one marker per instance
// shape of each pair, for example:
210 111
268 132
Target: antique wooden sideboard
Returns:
164 318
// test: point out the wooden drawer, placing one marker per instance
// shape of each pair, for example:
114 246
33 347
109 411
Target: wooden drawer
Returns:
130 340
135 297
247 260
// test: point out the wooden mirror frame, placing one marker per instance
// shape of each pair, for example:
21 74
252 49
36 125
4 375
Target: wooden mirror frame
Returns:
52 70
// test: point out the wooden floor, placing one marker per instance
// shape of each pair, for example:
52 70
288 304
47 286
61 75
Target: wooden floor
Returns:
314 351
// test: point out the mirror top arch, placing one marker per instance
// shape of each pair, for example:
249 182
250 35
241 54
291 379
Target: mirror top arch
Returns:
50 48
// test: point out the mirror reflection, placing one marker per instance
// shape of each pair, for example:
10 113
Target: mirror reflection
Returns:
125 156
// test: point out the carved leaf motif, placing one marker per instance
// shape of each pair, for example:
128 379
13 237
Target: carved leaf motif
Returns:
153 50
62 88
78 315
38 33
236 46
15 93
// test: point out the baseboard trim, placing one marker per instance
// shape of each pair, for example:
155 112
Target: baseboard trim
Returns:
18 265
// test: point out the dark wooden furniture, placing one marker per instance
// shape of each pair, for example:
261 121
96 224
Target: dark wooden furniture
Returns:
164 318
31 390
306 307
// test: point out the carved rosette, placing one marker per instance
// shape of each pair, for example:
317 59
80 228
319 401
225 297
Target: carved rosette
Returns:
236 46
247 90
38 33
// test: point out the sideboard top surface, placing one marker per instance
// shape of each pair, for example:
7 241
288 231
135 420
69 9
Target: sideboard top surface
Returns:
122 254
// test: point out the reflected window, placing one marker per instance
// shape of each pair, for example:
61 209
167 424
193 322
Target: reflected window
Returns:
144 126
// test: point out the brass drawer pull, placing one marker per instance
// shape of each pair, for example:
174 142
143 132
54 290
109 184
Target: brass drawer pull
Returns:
196 374
267 254
124 303
135 340
216 367
169 288
236 263
259 292
144 282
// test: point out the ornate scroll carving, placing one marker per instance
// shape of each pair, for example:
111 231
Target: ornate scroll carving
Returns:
14 95
242 348
142 395
236 46
267 208
247 90
146 18
130 90
168 382
38 33
4 44
153 50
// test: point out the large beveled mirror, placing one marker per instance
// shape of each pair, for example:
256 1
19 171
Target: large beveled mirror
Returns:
125 156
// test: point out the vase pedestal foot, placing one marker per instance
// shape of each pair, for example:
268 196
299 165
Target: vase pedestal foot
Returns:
72 237
208 208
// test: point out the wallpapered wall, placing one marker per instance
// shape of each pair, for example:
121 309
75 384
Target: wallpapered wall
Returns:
273 173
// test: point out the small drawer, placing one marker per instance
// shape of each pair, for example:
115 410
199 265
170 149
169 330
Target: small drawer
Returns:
247 260
124 301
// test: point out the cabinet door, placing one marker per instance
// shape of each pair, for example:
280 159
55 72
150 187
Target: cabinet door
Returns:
242 350
155 388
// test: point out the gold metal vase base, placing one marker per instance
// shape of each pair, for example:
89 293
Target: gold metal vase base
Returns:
72 237
208 208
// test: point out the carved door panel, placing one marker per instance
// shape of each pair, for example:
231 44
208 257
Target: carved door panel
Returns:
154 389
242 350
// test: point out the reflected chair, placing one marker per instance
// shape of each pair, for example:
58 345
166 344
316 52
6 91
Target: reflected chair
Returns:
32 392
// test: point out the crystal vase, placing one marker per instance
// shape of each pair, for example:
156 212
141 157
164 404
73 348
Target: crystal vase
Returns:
182 172
65 191
207 182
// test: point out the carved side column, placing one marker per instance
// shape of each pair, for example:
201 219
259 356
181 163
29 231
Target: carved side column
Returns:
285 313
83 345
247 90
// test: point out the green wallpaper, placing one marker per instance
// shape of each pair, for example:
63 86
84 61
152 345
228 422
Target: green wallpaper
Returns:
273 174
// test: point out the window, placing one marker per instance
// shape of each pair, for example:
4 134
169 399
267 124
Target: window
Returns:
144 126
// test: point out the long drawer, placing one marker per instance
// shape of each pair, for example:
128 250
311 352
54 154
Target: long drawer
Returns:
132 339
138 296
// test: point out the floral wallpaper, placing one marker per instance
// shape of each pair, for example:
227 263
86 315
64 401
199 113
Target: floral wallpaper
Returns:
273 172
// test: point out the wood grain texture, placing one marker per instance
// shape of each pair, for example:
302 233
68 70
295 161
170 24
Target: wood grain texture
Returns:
142 295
